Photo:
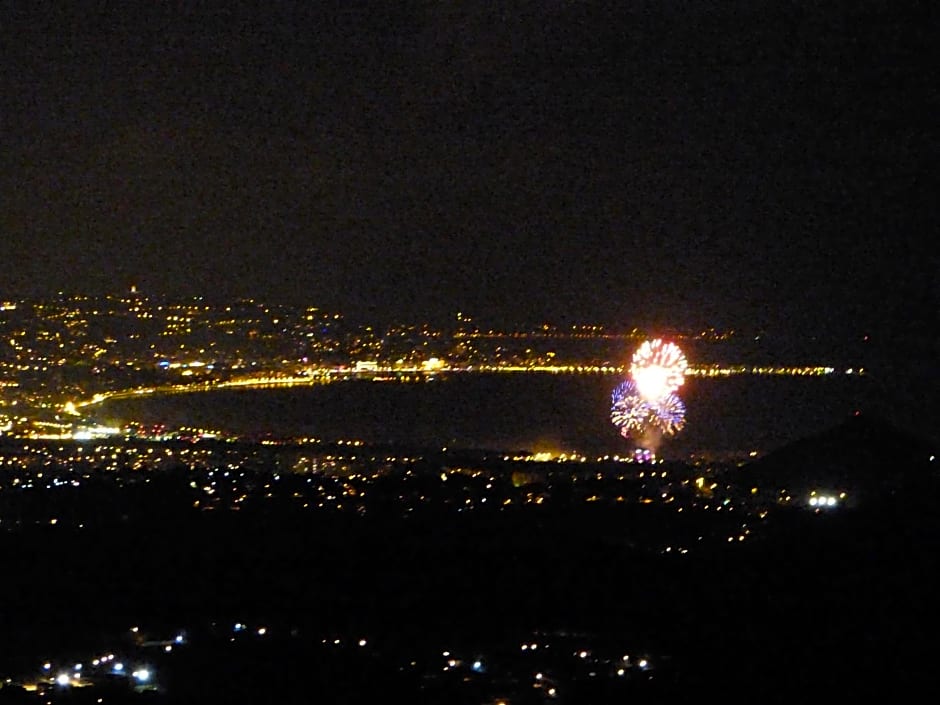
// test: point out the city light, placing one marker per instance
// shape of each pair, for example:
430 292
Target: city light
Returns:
69 470
823 500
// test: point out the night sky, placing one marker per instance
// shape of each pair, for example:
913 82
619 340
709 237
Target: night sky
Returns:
752 165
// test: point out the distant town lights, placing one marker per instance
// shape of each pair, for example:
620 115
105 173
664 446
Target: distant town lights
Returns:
432 364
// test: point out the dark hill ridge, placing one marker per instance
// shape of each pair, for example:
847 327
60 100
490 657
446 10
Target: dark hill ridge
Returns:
865 457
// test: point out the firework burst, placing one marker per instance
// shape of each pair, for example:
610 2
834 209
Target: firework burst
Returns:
628 410
658 368
646 402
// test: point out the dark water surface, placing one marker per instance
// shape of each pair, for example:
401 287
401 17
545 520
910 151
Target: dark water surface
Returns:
533 411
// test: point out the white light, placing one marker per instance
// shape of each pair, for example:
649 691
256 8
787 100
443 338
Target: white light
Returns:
262 631
142 675
78 666
831 501
583 654
643 663
651 382
46 666
620 671
168 648
119 666
63 679
179 639
813 501
362 642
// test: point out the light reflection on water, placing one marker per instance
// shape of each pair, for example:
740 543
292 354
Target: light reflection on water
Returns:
534 412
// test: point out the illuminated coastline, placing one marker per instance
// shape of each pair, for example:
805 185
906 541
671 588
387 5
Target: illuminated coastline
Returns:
413 374
69 354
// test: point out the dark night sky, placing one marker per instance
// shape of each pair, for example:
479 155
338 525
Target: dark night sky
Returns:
737 164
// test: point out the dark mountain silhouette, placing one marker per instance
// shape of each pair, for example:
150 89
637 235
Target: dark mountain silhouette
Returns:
866 457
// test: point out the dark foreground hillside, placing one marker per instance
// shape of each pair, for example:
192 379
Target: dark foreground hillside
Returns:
280 604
